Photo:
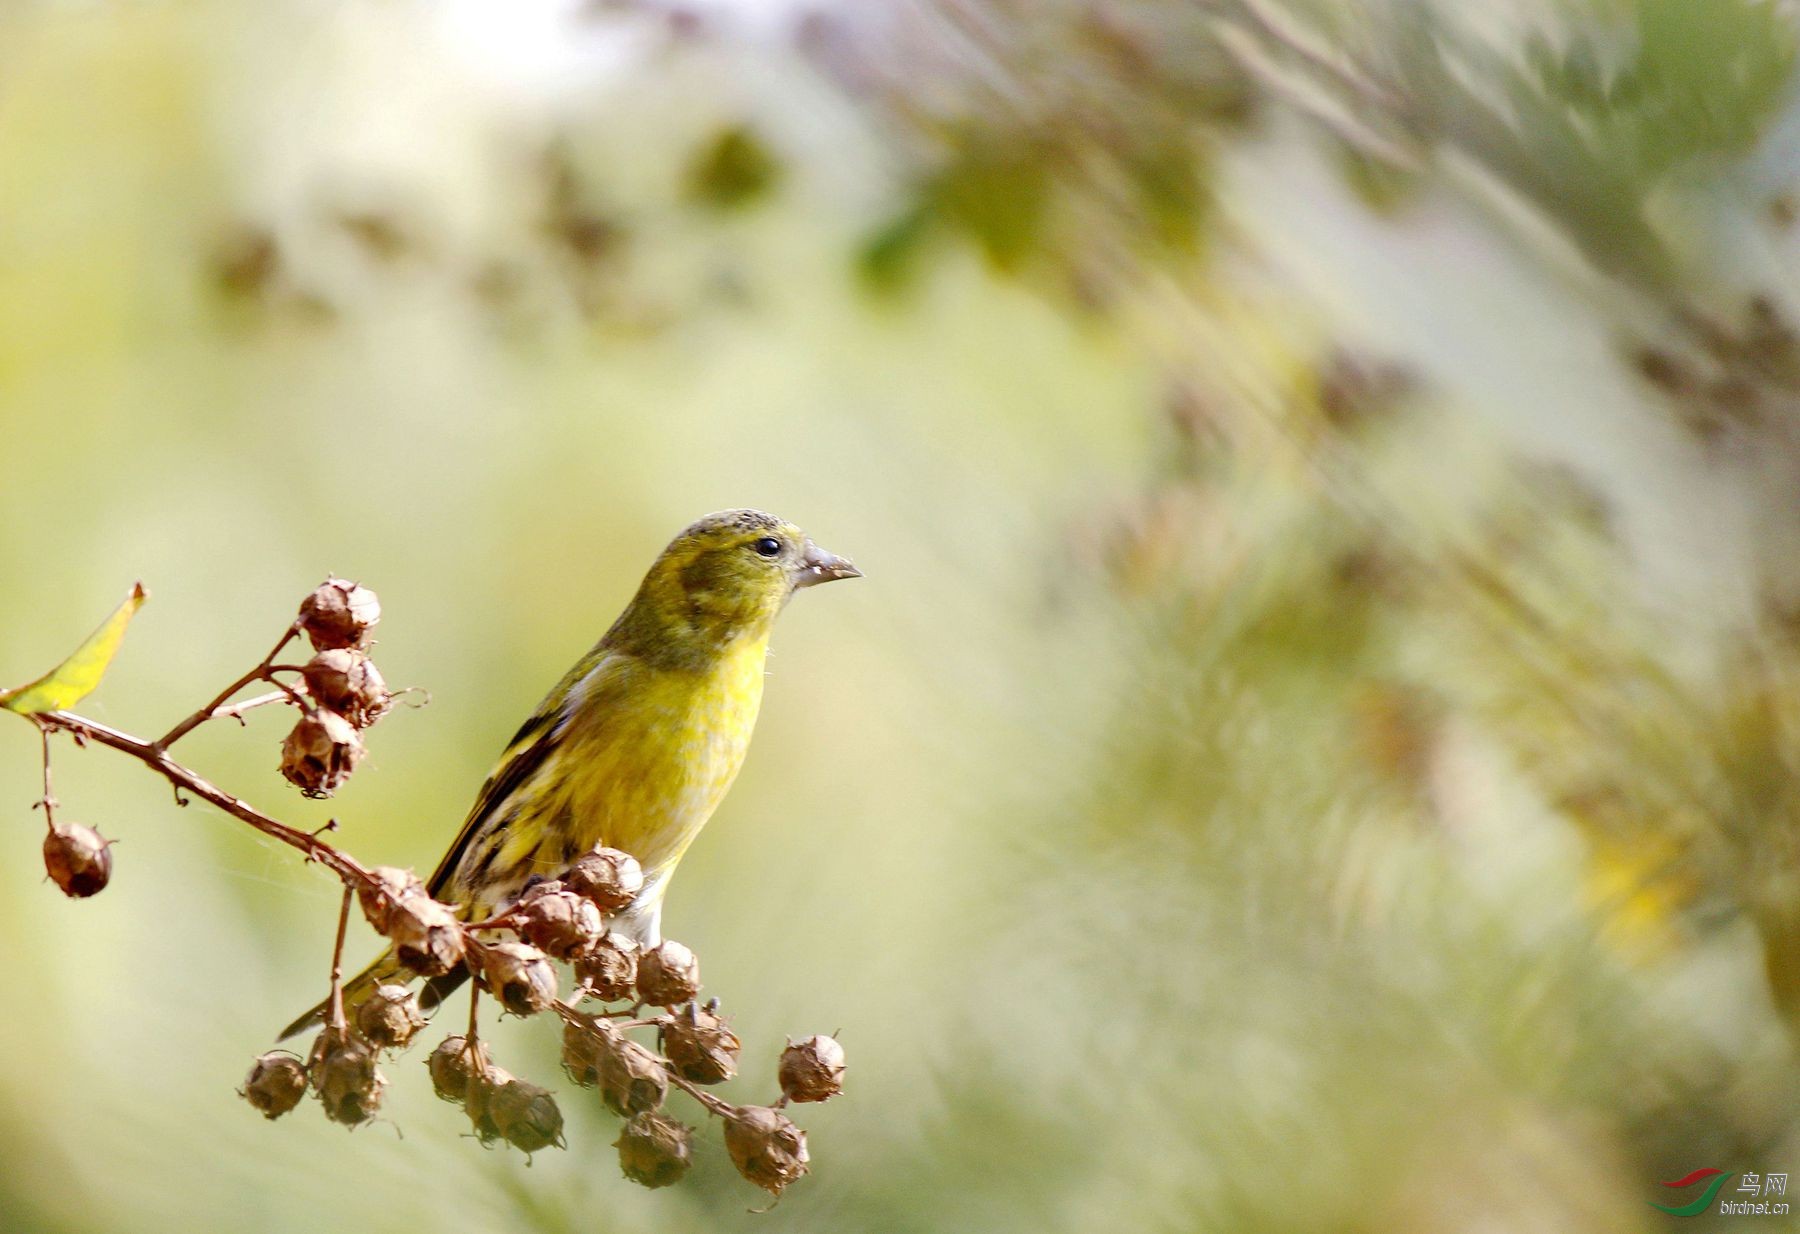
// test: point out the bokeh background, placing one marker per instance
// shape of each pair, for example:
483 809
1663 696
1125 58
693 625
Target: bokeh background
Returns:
1313 751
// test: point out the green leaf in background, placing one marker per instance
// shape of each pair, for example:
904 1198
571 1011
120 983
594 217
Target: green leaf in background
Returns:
75 678
735 169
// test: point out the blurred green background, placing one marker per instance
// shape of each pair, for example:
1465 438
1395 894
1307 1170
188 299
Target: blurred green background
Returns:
1313 751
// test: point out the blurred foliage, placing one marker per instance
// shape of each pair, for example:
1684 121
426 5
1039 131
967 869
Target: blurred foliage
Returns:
735 169
1110 107
1694 81
1315 746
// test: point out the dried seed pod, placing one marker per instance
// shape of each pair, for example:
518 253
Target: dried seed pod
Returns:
632 1079
390 1017
765 1147
484 1086
654 1149
581 1051
339 613
812 1070
320 753
78 859
701 1046
519 975
607 876
346 681
608 968
668 975
426 935
526 1116
558 921
390 886
453 1064
276 1082
344 1076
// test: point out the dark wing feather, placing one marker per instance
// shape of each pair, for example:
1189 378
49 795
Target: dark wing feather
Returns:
525 753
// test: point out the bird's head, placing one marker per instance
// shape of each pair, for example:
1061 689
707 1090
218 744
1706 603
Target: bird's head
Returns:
724 578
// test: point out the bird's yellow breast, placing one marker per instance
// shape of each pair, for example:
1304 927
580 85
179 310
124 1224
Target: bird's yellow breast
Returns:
648 754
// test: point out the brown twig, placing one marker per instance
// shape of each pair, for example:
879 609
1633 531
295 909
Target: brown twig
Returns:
334 1004
154 756
236 710
49 801
714 1105
213 709
472 1039
505 921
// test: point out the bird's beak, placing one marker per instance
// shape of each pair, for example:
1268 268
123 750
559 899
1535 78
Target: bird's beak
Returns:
819 566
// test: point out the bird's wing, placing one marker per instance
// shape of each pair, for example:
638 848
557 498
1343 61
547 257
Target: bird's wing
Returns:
527 752
524 754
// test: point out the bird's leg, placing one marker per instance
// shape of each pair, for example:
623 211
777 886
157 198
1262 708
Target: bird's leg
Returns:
642 920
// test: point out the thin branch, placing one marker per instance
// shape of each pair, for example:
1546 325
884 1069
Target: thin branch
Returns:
259 673
153 756
334 1013
571 1014
236 710
714 1105
505 921
297 697
472 1039
49 802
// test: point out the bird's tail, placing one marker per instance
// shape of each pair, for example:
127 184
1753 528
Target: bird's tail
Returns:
386 967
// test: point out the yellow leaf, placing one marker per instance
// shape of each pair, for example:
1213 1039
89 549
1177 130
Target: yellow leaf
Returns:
72 680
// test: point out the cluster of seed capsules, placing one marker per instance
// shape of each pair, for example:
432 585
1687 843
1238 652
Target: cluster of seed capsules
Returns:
344 695
563 920
345 692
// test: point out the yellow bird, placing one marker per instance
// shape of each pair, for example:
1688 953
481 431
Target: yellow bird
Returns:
638 743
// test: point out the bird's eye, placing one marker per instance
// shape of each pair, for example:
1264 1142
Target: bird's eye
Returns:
768 546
